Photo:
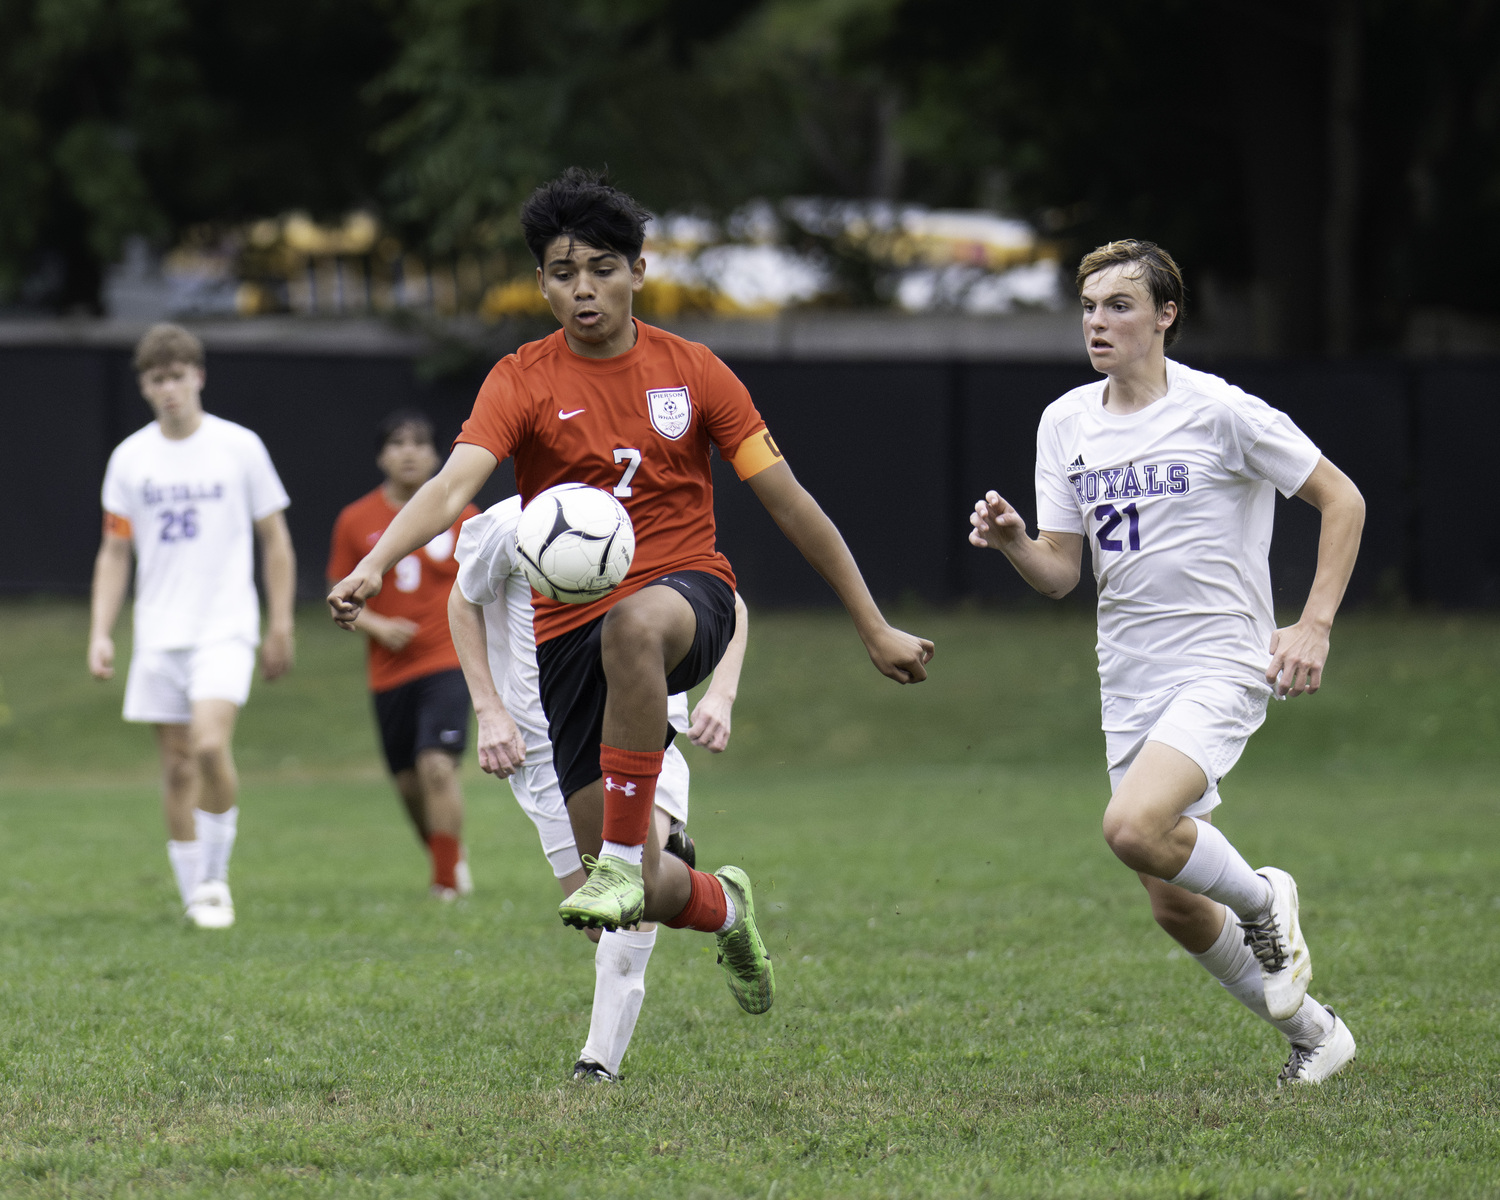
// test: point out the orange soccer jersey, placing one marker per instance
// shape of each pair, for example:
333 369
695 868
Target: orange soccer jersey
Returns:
416 588
638 425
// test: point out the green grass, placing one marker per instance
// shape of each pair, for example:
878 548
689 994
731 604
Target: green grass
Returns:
973 1000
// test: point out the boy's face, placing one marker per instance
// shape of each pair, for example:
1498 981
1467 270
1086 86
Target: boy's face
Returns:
589 289
408 457
173 391
1121 325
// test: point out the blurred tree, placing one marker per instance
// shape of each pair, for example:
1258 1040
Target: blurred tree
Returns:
122 117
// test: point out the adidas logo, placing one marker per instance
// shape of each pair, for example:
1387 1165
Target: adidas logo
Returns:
1076 466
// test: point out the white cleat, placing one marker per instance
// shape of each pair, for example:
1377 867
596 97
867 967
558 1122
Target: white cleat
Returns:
462 877
1278 945
445 895
211 906
1314 1064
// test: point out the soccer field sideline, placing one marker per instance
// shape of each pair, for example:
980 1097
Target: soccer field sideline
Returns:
973 997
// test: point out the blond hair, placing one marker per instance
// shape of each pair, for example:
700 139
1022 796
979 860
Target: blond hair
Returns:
1158 270
166 345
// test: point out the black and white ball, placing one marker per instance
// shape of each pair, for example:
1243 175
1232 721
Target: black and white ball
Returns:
575 542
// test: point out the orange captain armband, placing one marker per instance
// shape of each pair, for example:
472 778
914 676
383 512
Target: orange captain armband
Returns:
117 526
755 454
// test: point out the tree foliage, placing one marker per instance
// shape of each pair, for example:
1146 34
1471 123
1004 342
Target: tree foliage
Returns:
1291 149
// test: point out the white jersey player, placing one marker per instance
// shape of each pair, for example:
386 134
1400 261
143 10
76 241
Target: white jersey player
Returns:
186 496
490 615
1170 476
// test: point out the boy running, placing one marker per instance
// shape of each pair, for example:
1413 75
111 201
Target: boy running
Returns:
421 705
184 495
615 403
1170 475
490 613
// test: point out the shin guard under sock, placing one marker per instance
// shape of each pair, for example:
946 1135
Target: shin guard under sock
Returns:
629 792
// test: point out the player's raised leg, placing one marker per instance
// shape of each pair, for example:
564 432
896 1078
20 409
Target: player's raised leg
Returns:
1320 1043
1145 827
643 638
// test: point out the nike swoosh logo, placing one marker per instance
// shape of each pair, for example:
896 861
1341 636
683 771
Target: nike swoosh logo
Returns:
563 416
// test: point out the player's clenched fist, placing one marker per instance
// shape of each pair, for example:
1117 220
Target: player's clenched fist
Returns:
898 655
996 523
349 594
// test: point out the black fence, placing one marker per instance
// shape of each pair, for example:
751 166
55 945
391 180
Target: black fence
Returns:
896 452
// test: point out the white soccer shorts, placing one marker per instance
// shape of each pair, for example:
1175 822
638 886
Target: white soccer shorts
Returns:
1209 720
536 791
163 684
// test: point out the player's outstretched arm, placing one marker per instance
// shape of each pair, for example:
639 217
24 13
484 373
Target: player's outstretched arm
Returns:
896 655
710 723
438 503
278 563
502 750
1050 562
106 597
1299 652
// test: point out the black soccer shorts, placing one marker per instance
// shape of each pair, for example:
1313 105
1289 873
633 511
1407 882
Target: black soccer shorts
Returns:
571 670
430 713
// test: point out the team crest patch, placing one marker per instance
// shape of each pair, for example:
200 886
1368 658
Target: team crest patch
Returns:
671 411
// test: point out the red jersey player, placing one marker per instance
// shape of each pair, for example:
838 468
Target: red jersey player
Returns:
615 403
421 701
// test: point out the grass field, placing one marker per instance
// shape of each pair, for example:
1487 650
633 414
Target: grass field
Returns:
973 1000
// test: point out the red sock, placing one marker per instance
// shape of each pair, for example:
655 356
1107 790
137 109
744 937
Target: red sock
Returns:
706 907
629 792
445 854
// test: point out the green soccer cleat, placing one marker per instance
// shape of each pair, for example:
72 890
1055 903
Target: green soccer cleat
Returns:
613 896
741 952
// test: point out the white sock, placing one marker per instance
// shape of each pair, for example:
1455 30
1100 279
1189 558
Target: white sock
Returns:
187 866
216 833
730 915
1230 961
619 987
1216 870
630 854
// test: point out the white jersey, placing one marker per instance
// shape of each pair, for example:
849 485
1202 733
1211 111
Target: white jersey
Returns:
1176 502
489 575
192 504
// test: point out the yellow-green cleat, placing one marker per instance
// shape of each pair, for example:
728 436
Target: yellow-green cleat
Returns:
613 896
741 952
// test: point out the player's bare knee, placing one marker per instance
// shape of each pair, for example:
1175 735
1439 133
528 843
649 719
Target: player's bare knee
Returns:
629 640
211 750
1128 837
435 768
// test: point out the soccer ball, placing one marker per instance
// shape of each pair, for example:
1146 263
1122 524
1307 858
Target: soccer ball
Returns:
575 542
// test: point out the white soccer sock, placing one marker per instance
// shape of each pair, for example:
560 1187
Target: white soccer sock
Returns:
1230 961
216 833
187 866
630 854
1216 870
619 987
730 915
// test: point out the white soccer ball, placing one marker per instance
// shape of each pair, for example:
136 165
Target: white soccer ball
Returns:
575 542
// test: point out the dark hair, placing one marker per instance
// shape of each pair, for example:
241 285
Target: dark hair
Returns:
580 205
403 418
167 345
1162 276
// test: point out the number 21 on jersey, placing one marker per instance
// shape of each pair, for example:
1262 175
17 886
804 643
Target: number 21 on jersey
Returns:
1111 518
